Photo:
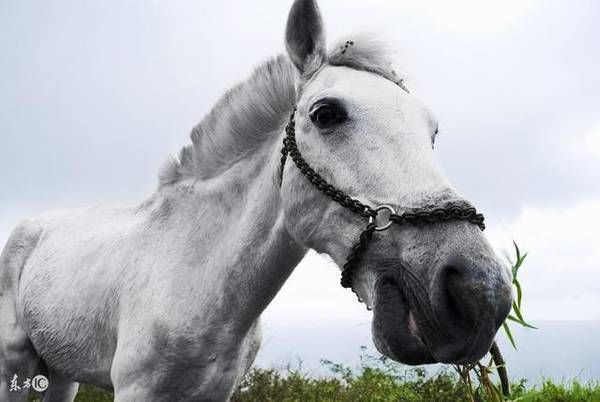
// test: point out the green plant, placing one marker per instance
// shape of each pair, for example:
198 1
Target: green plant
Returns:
516 315
378 379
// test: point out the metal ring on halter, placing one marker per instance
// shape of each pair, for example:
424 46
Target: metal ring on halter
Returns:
387 225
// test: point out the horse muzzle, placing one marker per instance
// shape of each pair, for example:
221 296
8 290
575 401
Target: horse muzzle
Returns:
447 311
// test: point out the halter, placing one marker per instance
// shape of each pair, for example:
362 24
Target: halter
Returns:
415 217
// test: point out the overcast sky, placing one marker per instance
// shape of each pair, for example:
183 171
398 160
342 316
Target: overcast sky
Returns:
95 95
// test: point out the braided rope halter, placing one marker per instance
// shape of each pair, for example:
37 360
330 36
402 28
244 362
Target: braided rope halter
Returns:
415 217
421 216
454 212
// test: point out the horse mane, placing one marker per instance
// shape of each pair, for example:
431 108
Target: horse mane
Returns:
252 111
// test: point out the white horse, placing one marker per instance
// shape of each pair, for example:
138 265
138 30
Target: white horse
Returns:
161 302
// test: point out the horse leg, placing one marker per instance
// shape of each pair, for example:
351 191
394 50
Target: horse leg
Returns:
176 384
18 358
60 389
177 372
18 361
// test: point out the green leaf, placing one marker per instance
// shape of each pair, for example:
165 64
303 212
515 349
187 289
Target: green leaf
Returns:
526 324
509 334
517 311
513 318
519 292
518 252
518 262
520 321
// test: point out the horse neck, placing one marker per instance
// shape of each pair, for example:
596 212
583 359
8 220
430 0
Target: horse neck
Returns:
235 222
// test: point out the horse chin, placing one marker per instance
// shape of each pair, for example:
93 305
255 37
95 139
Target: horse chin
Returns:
395 330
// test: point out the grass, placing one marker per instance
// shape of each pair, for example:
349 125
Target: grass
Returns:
374 384
376 380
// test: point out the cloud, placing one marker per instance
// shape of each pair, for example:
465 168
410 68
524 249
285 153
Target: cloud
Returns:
313 294
589 144
560 273
468 17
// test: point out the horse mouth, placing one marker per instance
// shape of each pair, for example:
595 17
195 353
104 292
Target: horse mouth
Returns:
408 331
397 332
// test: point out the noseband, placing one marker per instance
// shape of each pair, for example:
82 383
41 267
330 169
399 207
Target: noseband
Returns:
415 217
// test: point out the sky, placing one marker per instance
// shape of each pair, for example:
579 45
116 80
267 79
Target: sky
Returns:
95 95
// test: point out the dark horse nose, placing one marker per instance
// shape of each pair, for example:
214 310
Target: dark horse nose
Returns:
470 299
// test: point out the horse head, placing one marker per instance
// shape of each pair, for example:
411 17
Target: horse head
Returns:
438 291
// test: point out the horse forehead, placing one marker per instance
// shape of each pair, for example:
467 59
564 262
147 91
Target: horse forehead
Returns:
371 96
348 82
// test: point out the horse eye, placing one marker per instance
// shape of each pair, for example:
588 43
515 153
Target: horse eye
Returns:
327 115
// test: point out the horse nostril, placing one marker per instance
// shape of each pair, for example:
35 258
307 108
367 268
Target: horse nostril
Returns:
455 299
454 280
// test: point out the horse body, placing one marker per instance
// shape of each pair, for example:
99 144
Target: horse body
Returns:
148 300
161 302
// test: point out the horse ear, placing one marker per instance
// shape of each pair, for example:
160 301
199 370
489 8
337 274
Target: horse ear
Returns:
304 36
